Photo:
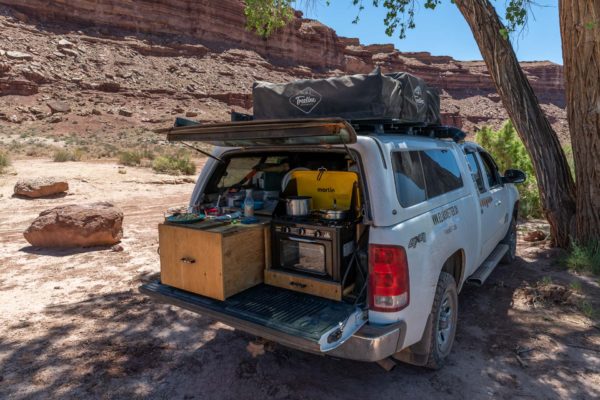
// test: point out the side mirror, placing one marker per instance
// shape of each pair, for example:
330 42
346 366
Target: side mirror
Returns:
514 176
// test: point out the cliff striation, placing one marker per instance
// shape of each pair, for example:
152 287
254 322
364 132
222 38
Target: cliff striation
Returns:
200 49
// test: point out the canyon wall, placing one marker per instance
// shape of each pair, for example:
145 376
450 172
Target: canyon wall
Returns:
221 25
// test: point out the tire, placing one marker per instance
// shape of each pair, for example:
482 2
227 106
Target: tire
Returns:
444 317
511 240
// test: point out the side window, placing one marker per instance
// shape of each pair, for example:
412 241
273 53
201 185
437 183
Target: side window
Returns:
441 172
410 184
422 175
475 171
491 171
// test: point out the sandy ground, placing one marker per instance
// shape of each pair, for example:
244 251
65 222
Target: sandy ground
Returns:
73 325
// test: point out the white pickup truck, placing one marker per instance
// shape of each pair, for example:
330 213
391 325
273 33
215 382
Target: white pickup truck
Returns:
435 214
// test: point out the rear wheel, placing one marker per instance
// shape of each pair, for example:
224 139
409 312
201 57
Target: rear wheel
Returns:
511 240
444 319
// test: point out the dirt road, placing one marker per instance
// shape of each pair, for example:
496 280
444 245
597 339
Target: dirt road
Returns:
73 325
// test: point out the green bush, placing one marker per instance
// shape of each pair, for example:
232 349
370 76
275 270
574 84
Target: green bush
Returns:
148 154
584 257
509 152
4 162
63 155
130 158
174 165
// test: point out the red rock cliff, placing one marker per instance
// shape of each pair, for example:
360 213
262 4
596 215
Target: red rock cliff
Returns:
304 42
216 23
205 30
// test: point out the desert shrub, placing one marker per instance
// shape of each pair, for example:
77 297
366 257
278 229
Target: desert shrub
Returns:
584 257
108 150
148 154
509 152
130 158
63 155
4 161
174 165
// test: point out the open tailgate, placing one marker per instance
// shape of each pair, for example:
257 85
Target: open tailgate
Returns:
294 319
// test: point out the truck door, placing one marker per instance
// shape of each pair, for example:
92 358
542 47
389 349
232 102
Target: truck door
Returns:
494 203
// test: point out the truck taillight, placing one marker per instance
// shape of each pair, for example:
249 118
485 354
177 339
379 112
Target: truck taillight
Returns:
388 278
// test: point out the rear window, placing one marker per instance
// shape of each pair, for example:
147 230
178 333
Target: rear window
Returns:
423 175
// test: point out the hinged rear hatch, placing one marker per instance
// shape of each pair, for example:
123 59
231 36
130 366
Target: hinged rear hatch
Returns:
323 131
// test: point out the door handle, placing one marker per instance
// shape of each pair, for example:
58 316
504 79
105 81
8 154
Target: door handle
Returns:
188 260
295 239
499 202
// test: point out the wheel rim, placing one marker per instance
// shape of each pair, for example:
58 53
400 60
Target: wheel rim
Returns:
446 323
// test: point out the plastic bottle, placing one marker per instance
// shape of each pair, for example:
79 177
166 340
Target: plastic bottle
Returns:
249 204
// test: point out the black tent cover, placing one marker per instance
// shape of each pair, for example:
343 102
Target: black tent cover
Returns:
397 96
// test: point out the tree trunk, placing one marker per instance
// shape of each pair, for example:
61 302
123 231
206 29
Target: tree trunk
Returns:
557 189
580 32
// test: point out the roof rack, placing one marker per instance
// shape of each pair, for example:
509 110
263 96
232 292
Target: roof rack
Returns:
389 126
397 127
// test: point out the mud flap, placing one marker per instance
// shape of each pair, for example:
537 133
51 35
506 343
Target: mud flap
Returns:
418 353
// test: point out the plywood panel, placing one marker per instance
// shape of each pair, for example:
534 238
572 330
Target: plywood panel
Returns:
243 260
191 260
304 284
217 262
268 256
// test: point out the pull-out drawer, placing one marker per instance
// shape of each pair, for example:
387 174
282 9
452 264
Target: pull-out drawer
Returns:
216 263
304 284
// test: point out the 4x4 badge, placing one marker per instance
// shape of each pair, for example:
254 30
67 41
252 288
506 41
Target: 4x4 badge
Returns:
306 100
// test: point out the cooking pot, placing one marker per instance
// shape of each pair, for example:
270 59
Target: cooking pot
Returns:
333 215
298 206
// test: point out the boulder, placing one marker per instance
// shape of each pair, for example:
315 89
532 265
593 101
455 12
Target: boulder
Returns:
69 52
95 224
18 55
62 43
58 106
125 112
40 187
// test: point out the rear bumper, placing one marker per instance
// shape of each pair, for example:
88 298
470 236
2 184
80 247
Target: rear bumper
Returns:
370 343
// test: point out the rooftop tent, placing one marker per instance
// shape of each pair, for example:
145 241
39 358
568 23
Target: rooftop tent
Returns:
398 96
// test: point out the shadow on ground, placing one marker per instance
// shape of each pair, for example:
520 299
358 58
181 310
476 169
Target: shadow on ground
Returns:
61 251
122 345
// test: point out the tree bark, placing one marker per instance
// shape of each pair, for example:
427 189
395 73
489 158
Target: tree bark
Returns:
557 189
580 33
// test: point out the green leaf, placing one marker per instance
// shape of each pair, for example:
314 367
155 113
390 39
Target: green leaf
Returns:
266 16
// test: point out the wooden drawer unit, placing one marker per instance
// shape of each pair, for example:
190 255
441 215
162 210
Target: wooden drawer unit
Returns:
304 284
216 262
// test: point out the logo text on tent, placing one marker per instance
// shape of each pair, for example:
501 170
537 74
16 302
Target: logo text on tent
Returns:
306 100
